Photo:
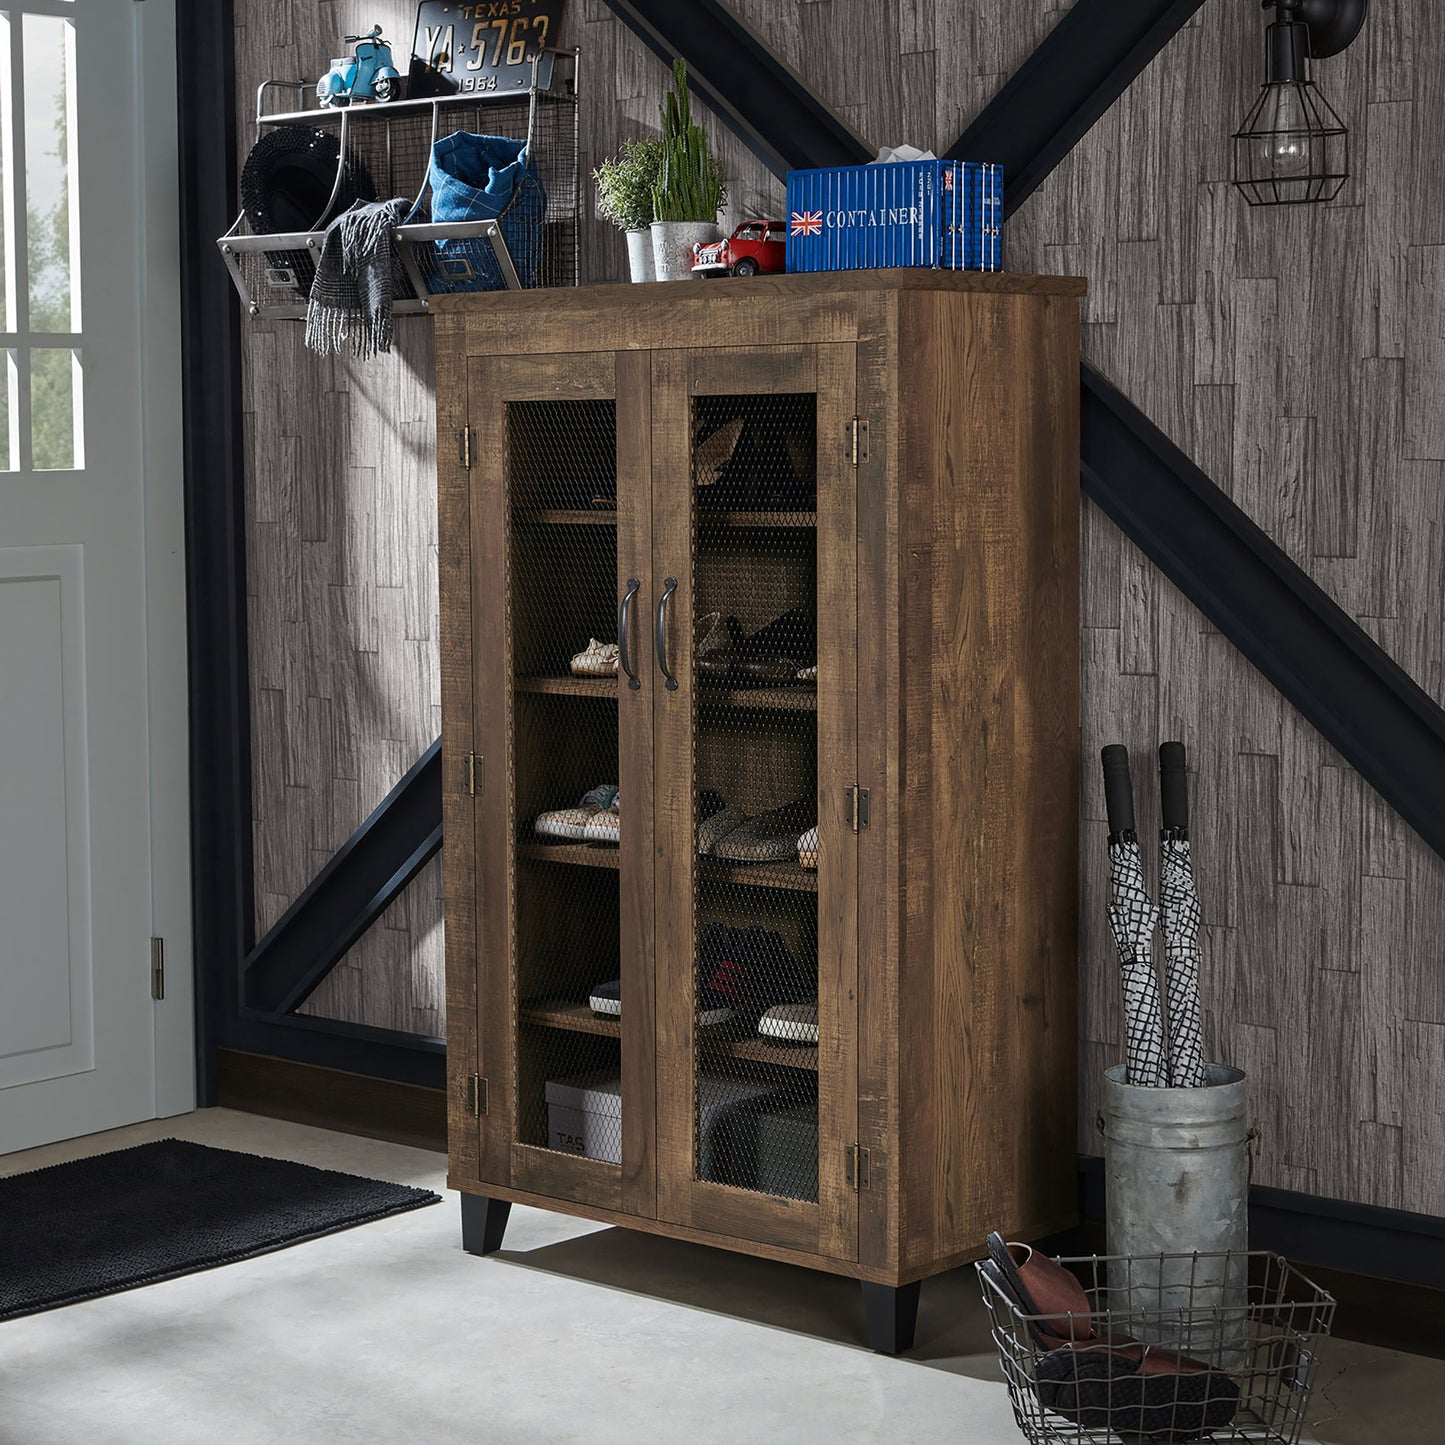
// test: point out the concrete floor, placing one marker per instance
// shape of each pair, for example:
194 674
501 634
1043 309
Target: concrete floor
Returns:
574 1332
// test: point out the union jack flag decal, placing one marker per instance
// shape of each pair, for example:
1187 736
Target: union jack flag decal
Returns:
806 223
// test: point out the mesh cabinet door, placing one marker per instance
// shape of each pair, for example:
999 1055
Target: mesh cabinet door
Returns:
755 708
561 545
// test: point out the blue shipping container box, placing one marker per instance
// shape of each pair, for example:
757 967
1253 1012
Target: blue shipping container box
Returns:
896 213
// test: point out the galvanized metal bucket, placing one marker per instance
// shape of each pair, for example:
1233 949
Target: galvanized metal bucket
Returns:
1176 1169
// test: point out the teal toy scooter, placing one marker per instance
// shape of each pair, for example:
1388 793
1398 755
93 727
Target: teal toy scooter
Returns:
367 75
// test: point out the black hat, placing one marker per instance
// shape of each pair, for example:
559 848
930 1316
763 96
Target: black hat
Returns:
287 180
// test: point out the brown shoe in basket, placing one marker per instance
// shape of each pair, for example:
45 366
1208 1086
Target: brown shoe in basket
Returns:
1104 1381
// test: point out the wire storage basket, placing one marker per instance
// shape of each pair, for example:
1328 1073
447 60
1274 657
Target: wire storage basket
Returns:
384 150
1113 1377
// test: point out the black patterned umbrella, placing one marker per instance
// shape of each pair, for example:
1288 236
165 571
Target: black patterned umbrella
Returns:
1133 918
1179 917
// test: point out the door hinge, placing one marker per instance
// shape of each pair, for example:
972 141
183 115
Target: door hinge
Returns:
474 774
857 808
477 1095
858 1174
858 440
466 447
158 969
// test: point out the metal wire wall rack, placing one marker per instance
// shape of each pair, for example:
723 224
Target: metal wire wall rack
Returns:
1264 1346
390 144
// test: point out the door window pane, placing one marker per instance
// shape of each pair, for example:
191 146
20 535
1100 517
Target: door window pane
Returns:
52 219
54 409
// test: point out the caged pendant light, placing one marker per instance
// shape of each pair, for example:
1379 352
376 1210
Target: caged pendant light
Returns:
1293 148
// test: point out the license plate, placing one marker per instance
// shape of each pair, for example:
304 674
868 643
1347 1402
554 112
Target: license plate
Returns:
482 48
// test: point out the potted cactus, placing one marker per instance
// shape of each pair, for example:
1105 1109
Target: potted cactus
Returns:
690 189
624 196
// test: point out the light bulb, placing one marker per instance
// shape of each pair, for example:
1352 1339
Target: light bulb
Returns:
1284 139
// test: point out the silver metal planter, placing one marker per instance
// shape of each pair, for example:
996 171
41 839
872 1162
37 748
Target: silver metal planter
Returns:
1176 1168
639 256
672 243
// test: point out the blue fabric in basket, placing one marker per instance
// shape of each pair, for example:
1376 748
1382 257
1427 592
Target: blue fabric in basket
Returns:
485 178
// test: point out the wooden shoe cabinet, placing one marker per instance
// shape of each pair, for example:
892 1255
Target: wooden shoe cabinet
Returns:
832 523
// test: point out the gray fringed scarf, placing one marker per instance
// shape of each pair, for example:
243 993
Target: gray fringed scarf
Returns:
351 294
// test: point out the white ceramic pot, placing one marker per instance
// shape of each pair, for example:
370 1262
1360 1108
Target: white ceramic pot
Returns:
672 243
639 255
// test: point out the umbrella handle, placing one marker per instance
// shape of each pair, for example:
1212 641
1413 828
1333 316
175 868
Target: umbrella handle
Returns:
1173 787
1118 791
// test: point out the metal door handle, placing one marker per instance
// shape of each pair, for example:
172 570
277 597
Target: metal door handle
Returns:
669 586
624 631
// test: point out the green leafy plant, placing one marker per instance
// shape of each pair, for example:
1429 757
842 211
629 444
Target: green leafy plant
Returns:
691 185
625 184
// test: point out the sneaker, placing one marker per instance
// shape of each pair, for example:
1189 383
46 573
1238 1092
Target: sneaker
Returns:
770 837
570 824
808 850
741 971
606 999
604 827
597 659
791 1023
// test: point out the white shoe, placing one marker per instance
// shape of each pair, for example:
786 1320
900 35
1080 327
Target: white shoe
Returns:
603 827
790 1023
598 659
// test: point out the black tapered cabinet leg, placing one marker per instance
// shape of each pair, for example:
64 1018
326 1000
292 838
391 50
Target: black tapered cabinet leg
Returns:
892 1315
484 1222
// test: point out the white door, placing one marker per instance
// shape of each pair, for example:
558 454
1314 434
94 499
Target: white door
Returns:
93 799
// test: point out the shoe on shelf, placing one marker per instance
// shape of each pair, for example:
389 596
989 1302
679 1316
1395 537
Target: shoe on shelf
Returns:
715 645
606 998
570 824
717 826
778 652
791 1023
808 674
808 850
604 826
721 971
741 972
770 837
597 659
710 456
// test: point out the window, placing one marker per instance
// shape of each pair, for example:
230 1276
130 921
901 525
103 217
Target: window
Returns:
750 233
41 412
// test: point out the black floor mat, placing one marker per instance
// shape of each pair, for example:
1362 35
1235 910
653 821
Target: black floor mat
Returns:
114 1221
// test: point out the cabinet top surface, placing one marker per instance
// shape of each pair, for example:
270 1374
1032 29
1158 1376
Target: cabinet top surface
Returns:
813 285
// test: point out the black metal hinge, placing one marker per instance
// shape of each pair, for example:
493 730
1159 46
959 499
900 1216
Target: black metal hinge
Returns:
857 808
158 969
858 1171
858 440
474 774
465 448
477 1095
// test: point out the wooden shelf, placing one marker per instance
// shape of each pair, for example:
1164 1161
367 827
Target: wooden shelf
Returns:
791 876
796 697
578 1018
582 855
706 517
764 1051
569 686
566 517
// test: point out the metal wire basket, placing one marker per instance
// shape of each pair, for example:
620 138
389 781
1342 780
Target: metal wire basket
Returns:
390 146
1259 1344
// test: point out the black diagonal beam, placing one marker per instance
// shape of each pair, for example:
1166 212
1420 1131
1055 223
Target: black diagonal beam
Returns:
1365 706
1084 64
736 75
350 893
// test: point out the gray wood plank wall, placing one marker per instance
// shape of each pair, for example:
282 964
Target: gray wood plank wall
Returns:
1298 355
